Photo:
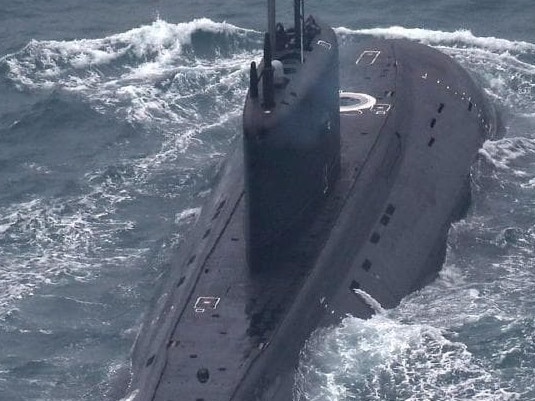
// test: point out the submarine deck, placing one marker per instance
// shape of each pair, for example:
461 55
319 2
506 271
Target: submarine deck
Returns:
381 233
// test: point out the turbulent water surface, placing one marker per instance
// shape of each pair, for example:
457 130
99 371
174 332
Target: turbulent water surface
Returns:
115 118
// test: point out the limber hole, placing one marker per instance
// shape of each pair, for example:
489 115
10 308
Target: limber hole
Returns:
219 208
366 265
431 142
440 107
354 286
150 361
433 122
374 239
385 220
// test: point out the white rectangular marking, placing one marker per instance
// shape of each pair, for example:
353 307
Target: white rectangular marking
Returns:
204 303
369 55
381 109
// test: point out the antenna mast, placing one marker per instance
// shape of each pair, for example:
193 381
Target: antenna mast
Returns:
271 23
299 24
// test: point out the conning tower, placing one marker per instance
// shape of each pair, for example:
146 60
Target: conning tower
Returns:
291 131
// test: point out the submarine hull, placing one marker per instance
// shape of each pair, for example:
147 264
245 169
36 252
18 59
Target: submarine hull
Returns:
222 331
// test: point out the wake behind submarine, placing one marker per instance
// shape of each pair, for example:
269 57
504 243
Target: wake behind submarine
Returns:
351 170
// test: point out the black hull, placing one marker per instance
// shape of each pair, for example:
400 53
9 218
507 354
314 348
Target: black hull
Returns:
222 331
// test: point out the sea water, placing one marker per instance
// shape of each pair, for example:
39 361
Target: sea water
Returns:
115 119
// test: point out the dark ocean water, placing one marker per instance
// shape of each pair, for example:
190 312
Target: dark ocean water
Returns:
115 118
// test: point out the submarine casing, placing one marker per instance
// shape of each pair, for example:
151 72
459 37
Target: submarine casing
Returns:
380 230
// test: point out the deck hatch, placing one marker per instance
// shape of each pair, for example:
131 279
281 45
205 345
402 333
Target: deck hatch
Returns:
206 303
366 265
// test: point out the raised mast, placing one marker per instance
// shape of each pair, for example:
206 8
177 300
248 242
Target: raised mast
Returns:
271 23
299 22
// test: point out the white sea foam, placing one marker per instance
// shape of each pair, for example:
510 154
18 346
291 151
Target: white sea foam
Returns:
483 297
178 88
187 215
446 341
508 80
131 396
160 41
380 359
504 152
431 37
149 75
45 242
370 301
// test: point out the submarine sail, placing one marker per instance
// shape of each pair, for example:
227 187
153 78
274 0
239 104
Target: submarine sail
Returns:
291 136
352 165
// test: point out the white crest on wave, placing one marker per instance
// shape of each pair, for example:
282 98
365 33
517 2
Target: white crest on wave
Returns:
428 36
143 41
502 152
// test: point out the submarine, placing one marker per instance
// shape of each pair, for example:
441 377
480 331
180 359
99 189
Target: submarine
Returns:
353 163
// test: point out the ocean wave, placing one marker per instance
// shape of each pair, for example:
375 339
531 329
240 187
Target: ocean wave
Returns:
431 37
155 45
504 152
182 85
49 241
382 358
156 75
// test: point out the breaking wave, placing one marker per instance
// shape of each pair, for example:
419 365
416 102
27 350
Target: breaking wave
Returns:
468 335
160 73
180 87
382 358
460 37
